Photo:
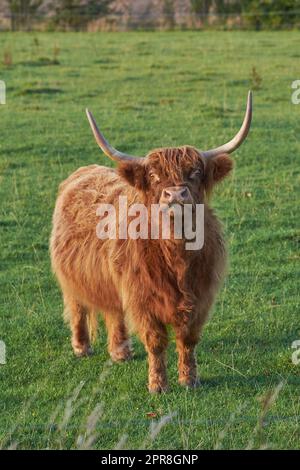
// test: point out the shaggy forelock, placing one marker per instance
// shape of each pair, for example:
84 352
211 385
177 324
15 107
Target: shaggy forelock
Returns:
173 161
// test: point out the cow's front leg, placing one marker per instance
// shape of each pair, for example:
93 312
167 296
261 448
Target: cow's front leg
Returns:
186 341
155 338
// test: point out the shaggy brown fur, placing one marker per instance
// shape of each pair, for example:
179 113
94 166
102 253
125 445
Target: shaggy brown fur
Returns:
148 283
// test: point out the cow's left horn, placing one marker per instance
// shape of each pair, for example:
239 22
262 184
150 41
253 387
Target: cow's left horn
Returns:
237 140
104 145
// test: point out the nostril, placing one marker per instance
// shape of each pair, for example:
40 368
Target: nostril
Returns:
167 194
184 192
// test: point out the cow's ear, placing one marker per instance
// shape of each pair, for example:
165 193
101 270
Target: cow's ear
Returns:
217 168
134 173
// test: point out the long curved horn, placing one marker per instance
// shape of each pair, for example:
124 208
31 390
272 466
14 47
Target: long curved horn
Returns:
105 146
238 138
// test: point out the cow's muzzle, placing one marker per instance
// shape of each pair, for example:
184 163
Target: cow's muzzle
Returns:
176 195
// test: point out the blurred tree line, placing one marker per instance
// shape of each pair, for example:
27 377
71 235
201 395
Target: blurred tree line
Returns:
257 13
78 14
64 14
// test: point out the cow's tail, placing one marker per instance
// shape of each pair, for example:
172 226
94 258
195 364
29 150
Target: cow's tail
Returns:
92 323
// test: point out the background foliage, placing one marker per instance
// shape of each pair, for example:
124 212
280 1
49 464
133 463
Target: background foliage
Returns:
154 14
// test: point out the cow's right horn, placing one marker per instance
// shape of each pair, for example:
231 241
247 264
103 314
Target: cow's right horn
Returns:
110 151
239 138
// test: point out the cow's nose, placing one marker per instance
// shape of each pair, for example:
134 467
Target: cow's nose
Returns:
175 194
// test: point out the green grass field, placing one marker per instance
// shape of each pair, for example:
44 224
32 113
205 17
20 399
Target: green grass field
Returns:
148 90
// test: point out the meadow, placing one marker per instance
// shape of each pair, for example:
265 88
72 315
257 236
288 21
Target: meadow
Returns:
148 90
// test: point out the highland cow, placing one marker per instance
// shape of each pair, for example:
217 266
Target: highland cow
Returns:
141 285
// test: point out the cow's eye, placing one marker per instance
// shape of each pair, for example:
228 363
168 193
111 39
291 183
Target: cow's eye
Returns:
154 178
195 174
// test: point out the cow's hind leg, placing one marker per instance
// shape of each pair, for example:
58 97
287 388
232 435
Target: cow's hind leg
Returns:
77 315
119 346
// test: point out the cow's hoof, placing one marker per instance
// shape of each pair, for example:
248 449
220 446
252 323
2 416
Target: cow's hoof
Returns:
82 351
157 388
121 356
190 382
121 353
